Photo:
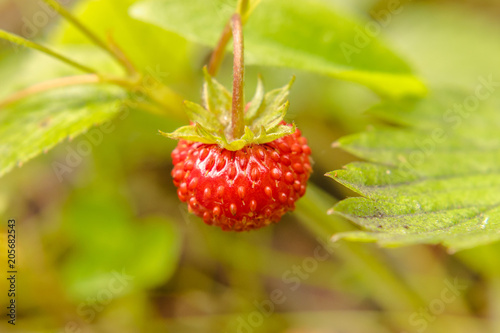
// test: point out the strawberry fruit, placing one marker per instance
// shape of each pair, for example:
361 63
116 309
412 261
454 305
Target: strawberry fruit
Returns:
245 189
244 183
239 169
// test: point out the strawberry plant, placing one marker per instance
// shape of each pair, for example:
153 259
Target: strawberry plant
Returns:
127 165
239 169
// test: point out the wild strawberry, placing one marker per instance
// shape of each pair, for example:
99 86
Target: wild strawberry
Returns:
245 189
239 169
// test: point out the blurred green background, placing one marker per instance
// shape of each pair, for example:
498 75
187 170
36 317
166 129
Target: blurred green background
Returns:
108 247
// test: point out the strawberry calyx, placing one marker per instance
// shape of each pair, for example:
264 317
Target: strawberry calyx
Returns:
210 122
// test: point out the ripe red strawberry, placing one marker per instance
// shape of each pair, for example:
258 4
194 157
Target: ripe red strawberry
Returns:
244 189
240 169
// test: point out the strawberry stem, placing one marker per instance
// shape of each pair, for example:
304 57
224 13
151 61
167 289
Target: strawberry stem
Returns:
244 9
237 120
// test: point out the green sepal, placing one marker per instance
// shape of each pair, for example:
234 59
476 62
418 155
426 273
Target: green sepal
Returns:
275 133
198 114
216 99
256 101
270 106
246 139
190 133
270 120
210 122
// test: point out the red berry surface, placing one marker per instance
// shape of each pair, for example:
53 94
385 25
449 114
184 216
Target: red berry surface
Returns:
245 189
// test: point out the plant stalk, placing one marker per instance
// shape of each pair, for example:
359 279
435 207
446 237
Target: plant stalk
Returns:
237 112
218 53
242 7
27 43
49 85
245 8
114 52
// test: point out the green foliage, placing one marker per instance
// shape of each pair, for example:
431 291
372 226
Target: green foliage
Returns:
429 174
435 182
45 119
36 124
148 47
275 36
144 250
437 151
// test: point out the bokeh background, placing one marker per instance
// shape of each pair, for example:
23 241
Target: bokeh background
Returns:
108 247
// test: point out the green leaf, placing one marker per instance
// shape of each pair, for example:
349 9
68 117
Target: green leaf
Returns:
36 124
275 36
150 48
437 182
436 48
